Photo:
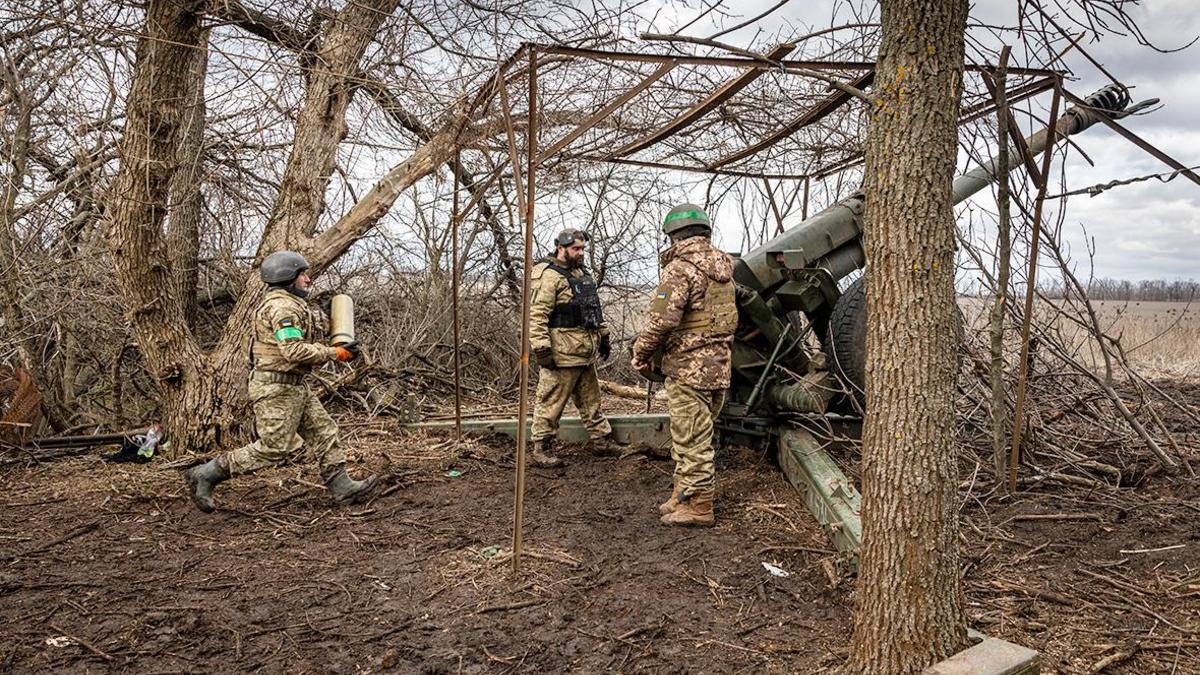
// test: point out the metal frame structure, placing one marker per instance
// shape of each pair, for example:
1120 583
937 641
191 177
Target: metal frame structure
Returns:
524 177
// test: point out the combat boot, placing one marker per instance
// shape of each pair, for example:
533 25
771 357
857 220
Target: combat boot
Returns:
670 505
344 488
542 455
695 510
606 446
203 478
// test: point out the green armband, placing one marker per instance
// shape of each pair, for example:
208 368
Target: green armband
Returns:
289 333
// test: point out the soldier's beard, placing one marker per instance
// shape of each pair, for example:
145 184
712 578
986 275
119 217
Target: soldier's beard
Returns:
575 262
298 292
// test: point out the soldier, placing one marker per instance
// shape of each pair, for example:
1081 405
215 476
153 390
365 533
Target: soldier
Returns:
282 353
692 320
567 335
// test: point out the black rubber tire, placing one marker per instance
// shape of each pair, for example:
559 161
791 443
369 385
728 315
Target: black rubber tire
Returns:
846 343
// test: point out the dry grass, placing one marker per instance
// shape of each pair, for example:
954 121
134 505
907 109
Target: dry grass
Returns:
1161 339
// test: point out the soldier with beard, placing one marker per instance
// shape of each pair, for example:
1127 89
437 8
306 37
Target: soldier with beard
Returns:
692 319
568 337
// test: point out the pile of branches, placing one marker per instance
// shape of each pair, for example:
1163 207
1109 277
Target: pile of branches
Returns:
1091 418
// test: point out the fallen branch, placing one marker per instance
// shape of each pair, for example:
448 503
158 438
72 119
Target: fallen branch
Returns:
83 643
77 532
511 605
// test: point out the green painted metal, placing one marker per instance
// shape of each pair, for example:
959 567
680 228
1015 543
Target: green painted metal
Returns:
827 492
651 430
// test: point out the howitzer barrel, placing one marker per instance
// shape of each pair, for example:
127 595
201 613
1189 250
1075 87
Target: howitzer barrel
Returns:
832 239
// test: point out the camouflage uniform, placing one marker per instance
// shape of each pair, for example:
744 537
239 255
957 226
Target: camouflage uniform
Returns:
283 352
692 318
576 351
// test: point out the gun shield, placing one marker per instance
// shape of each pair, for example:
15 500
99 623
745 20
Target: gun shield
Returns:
341 320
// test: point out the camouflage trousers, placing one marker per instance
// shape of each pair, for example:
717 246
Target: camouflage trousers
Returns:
555 386
692 414
281 413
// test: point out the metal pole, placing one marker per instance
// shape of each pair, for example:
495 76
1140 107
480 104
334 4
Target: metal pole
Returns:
1030 287
454 297
804 209
523 408
762 379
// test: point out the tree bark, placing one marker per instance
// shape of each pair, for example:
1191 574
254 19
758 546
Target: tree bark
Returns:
203 394
155 114
282 33
321 124
187 202
1004 259
909 596
320 127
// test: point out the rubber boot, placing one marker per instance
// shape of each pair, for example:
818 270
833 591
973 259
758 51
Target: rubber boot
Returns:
344 488
606 446
670 505
695 510
542 454
203 478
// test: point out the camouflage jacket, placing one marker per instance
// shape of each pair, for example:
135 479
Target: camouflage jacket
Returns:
571 346
696 353
284 333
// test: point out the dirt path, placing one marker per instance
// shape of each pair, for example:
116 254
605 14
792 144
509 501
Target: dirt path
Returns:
415 582
108 568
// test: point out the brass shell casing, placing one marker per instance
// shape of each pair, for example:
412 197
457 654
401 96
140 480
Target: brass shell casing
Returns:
341 320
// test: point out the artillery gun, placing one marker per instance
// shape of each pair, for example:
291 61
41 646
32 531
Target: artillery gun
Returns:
788 288
798 272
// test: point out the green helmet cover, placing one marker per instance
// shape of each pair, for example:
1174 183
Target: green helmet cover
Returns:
685 215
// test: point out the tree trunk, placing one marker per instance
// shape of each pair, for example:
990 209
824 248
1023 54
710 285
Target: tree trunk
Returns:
1004 259
321 124
203 395
187 202
155 114
909 597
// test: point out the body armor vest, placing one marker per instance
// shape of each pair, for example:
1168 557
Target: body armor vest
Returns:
264 353
718 317
583 311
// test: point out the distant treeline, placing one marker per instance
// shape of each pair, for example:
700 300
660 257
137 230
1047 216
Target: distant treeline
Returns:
1149 290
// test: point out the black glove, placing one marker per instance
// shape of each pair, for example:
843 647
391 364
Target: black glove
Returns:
605 347
544 357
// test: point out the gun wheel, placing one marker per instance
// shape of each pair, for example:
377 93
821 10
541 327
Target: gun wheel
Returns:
846 345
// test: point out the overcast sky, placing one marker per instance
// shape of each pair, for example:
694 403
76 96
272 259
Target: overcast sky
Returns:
1142 231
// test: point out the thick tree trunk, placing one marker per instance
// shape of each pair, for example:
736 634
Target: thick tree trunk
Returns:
321 124
155 114
187 202
909 597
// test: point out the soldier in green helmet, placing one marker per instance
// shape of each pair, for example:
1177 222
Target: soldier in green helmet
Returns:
283 351
692 319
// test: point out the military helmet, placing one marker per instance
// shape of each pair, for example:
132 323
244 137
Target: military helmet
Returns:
685 215
569 236
282 266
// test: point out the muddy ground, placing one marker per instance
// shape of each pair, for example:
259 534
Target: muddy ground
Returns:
108 568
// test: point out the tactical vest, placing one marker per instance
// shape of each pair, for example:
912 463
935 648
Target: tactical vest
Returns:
583 311
264 353
718 317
